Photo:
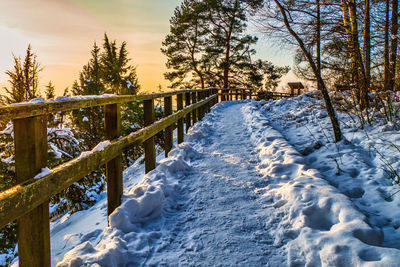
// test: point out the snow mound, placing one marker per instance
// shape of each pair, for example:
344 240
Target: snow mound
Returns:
319 225
137 223
298 218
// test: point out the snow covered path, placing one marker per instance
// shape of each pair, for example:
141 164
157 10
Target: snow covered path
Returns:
220 218
236 193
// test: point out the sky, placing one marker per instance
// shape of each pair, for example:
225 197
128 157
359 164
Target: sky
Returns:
62 33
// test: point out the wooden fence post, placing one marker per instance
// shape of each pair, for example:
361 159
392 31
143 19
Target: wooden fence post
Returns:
30 140
188 117
179 105
168 132
195 112
112 128
200 110
207 106
204 107
149 144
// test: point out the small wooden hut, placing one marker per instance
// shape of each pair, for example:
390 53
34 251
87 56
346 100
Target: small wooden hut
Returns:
295 86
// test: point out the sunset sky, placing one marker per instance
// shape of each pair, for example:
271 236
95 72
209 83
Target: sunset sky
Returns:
62 33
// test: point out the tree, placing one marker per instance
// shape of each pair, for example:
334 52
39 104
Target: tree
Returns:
31 69
281 17
349 10
207 46
367 42
50 91
184 47
23 79
393 46
88 122
117 74
318 41
228 46
273 75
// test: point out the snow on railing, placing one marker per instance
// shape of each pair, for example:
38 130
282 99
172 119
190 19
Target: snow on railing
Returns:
28 201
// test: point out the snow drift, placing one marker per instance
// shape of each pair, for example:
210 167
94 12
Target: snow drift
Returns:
306 221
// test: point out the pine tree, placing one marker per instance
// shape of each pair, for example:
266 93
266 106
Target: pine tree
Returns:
108 71
50 91
184 47
229 46
118 76
207 46
31 68
23 79
88 122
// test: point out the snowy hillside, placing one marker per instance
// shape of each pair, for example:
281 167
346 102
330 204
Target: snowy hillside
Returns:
254 184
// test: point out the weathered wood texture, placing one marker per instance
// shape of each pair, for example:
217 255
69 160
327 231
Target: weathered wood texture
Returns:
168 132
26 196
112 127
149 144
27 202
30 139
188 121
206 107
19 111
200 109
179 105
194 112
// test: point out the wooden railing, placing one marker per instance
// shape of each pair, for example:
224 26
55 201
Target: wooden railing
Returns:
242 94
28 201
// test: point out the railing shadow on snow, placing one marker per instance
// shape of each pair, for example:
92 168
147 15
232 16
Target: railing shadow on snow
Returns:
28 201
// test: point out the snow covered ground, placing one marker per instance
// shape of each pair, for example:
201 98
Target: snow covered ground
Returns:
254 184
361 166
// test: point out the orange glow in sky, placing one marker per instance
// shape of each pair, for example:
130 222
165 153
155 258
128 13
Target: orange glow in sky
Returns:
62 33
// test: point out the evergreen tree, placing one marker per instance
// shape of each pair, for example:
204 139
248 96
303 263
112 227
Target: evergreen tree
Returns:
50 91
31 68
88 126
88 122
108 71
184 47
23 79
118 76
207 46
228 46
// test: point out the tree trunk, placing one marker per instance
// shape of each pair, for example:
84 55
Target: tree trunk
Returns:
226 65
329 108
202 82
318 42
349 39
393 45
349 10
364 103
367 43
386 51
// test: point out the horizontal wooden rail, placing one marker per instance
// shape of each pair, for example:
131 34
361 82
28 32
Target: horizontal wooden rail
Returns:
25 110
22 198
27 202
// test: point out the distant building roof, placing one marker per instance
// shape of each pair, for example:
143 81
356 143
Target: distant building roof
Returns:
296 85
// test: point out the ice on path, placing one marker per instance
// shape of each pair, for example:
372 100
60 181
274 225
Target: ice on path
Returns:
235 194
